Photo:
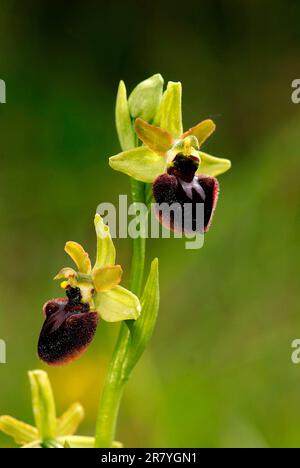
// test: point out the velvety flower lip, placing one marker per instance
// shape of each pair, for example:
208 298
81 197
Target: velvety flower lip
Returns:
68 329
172 190
183 187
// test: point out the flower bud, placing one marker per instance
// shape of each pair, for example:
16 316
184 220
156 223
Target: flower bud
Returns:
145 99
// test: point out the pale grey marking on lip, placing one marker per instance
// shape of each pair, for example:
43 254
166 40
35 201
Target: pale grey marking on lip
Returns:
189 186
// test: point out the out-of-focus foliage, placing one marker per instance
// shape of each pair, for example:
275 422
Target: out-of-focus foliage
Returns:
219 371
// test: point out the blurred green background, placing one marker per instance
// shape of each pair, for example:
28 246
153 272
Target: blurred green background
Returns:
219 370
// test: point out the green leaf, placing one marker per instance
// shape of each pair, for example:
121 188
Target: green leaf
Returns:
170 113
123 120
68 423
106 252
140 163
79 256
142 329
145 98
21 432
212 166
43 404
157 139
201 131
117 305
107 278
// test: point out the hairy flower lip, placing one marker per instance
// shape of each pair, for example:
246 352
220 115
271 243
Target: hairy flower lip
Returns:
68 329
170 189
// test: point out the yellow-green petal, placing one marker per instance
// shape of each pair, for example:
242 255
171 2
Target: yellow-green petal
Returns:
106 252
140 163
123 120
43 404
68 423
79 256
201 131
157 139
21 432
212 166
117 305
170 113
107 278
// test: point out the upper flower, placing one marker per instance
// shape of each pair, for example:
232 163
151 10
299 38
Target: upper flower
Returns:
171 159
92 292
164 140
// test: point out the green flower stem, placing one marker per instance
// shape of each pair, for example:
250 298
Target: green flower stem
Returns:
117 376
112 393
138 190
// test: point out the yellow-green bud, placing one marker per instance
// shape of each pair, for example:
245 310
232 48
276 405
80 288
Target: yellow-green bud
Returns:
145 99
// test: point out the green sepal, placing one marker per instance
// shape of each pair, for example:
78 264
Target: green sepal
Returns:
123 120
43 404
170 112
140 163
212 166
21 432
68 422
117 304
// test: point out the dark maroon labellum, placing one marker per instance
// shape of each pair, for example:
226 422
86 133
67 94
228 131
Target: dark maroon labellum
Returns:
68 329
183 190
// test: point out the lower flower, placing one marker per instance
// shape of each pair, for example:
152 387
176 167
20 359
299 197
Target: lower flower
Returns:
92 293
